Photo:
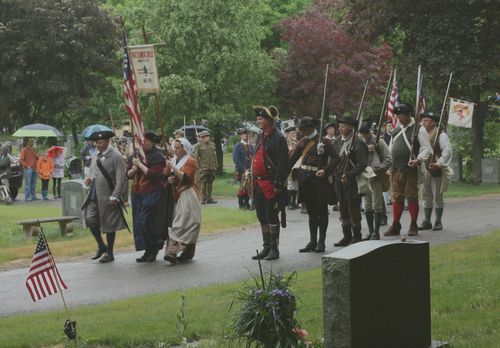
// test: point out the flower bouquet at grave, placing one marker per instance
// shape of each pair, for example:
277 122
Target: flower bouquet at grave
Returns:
266 316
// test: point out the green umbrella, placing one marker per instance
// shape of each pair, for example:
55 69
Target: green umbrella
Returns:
37 130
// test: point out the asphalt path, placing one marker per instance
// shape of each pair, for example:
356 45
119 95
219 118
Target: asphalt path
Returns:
221 258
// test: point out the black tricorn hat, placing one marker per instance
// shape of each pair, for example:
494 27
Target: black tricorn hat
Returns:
307 122
432 115
403 109
262 111
152 137
289 129
346 119
242 130
101 135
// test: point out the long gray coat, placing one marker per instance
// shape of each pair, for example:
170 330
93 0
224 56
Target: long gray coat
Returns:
102 213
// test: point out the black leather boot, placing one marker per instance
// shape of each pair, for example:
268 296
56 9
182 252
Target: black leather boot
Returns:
266 246
346 231
356 234
313 235
323 226
369 223
274 241
376 229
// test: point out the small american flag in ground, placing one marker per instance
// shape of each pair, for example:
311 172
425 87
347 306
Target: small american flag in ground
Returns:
43 274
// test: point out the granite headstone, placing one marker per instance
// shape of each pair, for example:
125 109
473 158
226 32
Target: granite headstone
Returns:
377 294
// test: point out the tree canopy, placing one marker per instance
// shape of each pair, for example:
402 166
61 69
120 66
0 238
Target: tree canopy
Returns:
54 55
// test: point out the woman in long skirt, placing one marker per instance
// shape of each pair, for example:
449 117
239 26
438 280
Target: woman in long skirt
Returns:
186 223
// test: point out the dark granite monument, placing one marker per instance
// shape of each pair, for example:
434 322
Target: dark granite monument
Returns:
377 294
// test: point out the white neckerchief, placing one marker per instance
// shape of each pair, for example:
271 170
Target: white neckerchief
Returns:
244 142
179 164
312 135
346 143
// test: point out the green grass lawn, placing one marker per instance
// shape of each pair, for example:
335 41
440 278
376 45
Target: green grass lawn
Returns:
13 245
462 190
465 283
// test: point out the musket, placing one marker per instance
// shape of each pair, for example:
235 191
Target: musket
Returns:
416 129
323 105
384 105
436 141
359 119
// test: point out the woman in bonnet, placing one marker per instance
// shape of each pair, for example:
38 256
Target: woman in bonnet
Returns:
181 172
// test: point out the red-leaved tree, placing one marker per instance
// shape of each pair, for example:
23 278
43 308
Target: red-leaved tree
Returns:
315 40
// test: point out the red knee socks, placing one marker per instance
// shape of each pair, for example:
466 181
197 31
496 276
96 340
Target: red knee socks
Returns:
397 211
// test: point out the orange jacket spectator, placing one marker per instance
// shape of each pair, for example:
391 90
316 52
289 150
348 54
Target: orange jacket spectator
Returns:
45 167
28 157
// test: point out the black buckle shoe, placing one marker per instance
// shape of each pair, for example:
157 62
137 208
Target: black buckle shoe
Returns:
309 247
170 258
143 258
107 258
99 253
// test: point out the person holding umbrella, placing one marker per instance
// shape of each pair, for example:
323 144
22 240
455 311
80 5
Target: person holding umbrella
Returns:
29 159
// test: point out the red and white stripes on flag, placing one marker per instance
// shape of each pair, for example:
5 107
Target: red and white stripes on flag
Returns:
43 278
130 95
393 103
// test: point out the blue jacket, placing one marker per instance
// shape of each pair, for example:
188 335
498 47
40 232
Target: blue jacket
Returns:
243 158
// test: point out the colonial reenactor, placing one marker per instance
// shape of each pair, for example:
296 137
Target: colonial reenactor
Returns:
292 182
204 153
149 199
352 163
436 177
243 153
312 174
331 133
269 170
379 158
103 206
404 168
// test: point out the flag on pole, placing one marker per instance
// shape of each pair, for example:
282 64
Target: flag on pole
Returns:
43 278
130 95
393 103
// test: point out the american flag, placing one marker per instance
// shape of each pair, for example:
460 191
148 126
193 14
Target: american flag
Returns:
130 95
393 103
43 277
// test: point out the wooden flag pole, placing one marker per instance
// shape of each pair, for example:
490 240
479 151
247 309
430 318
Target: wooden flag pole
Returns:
159 116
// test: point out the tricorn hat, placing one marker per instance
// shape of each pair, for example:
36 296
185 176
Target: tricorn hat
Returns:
432 115
269 112
242 130
403 109
152 137
346 119
101 135
179 131
307 122
204 133
289 129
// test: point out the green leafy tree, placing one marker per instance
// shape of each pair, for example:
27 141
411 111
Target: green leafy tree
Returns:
442 36
54 57
211 66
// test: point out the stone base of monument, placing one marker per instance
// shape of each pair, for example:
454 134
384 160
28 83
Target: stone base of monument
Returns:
377 294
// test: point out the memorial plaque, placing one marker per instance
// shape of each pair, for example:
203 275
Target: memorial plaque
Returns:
74 194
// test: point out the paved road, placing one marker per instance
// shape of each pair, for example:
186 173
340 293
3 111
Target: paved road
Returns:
220 258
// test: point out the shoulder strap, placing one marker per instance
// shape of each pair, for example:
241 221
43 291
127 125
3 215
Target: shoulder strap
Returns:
105 174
